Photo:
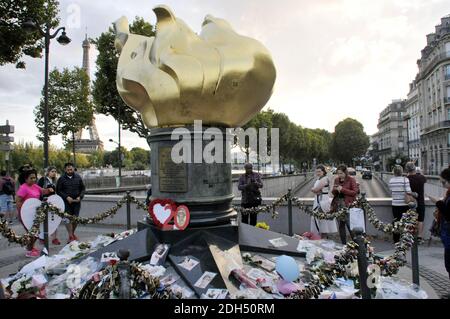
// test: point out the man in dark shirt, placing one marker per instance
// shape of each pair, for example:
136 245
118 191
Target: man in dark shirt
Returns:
71 188
417 182
249 185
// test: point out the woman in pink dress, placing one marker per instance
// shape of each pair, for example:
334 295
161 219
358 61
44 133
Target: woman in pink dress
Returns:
30 190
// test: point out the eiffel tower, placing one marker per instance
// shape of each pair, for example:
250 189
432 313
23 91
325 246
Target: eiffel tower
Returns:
93 143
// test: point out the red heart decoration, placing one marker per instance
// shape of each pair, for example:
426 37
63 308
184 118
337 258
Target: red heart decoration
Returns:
162 212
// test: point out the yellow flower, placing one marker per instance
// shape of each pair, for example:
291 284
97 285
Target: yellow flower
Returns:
263 226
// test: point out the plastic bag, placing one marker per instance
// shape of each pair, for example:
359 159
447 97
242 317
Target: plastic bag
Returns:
75 277
393 288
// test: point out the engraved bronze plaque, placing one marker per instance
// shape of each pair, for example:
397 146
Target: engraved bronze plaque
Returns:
172 176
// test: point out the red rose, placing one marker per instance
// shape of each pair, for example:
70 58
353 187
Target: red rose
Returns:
112 262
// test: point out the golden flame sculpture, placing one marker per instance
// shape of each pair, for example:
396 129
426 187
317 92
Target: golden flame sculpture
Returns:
176 77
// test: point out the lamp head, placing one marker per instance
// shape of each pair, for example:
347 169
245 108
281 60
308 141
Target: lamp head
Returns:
63 39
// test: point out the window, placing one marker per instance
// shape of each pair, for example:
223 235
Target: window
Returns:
448 142
447 71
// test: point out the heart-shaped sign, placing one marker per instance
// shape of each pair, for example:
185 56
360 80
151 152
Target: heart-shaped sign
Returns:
162 211
162 214
28 213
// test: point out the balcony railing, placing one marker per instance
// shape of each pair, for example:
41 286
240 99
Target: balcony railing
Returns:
430 64
438 126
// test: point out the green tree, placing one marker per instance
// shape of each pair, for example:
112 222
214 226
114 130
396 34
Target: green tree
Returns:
30 153
69 105
96 159
349 140
282 122
15 42
112 158
261 120
105 94
392 161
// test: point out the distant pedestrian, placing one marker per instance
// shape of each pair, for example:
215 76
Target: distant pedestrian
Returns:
250 184
322 202
443 207
7 192
71 188
49 181
417 182
345 190
400 187
149 195
27 190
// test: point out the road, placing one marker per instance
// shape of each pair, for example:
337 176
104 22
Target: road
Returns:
373 188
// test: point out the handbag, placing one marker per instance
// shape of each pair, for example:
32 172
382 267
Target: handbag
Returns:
409 199
324 203
435 229
334 207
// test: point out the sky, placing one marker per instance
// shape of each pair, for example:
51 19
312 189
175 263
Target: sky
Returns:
334 58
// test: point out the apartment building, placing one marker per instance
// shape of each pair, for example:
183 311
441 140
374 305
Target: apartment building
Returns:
433 85
392 133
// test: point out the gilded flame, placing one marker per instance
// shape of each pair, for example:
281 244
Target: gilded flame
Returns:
176 77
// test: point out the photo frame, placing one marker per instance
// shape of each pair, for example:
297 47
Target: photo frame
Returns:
159 255
182 217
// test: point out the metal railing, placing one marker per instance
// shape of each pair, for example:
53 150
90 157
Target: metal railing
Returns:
358 237
429 65
438 126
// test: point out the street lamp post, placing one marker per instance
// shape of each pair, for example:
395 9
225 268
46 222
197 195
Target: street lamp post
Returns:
120 159
63 39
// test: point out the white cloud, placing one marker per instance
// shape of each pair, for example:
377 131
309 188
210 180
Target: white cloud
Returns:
334 58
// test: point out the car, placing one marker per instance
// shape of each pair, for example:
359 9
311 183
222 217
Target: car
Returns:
367 174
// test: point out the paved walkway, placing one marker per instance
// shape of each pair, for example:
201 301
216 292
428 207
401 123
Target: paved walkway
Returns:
434 278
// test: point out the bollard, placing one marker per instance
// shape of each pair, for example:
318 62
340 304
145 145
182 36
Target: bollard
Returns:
289 196
124 274
128 211
362 263
46 243
415 262
363 197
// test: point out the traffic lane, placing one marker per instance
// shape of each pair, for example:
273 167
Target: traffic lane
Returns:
305 191
373 188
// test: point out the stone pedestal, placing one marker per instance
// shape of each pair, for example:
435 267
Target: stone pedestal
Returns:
206 188
214 237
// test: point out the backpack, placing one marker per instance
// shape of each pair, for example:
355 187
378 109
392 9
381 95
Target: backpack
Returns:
8 187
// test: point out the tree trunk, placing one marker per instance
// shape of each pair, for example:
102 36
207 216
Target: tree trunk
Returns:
73 150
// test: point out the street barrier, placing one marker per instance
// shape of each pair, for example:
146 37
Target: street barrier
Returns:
358 248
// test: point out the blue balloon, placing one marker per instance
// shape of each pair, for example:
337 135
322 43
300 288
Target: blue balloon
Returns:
287 268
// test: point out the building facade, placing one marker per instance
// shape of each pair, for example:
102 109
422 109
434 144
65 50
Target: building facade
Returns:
433 84
412 119
392 134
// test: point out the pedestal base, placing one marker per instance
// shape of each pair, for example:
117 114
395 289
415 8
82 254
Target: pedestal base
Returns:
217 248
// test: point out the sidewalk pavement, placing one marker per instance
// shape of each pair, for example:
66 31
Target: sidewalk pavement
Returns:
433 276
